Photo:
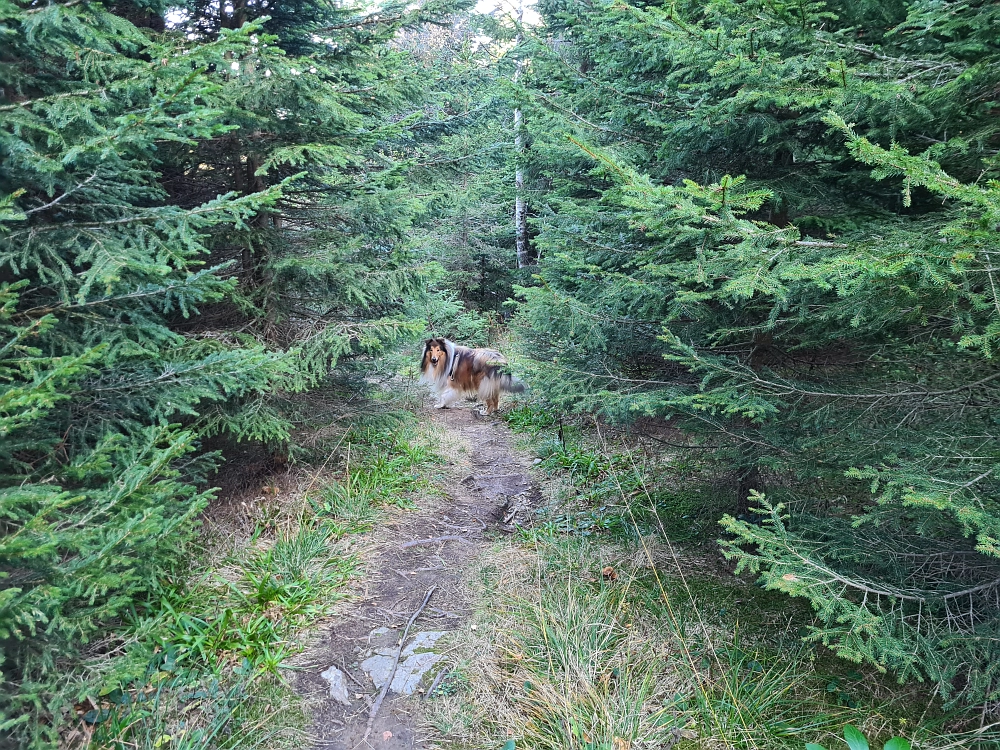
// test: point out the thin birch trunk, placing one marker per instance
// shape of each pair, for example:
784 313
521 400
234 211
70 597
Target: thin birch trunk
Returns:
520 205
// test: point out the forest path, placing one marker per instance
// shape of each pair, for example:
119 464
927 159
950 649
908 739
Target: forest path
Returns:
485 486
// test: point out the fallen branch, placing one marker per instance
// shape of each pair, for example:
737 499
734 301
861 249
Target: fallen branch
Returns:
437 681
353 679
421 542
395 663
459 528
812 243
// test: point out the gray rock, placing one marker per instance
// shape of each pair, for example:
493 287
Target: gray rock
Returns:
410 672
338 685
378 665
423 641
414 662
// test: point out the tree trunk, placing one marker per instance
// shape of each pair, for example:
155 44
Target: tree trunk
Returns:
520 205
234 20
750 481
240 186
257 185
239 13
254 183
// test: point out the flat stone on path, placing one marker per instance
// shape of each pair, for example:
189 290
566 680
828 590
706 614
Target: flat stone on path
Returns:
338 685
424 640
496 487
410 672
413 665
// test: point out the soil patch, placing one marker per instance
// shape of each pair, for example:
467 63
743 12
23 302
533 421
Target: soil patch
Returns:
486 489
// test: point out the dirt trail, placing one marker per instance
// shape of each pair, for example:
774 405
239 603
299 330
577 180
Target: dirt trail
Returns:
487 487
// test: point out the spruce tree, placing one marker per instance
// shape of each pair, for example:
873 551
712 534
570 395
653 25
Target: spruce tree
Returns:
96 469
775 224
195 221
464 169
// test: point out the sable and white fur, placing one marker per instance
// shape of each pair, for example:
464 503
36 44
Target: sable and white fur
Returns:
455 372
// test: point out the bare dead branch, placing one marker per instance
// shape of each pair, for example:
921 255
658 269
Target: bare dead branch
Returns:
395 663
434 540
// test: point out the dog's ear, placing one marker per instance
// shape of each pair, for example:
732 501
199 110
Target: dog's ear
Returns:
427 344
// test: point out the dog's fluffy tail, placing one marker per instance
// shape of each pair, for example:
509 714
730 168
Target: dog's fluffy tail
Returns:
510 384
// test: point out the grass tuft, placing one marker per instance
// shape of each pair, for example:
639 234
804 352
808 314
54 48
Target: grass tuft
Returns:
384 469
197 714
206 661
587 682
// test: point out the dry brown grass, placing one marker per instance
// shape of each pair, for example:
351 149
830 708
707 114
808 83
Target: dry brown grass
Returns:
547 666
564 655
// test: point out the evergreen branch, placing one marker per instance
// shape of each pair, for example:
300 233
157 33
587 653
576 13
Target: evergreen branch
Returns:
814 243
588 123
901 61
52 98
48 6
785 387
65 195
657 104
222 203
359 23
597 156
153 291
456 159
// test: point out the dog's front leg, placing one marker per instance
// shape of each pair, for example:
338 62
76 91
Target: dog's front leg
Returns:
447 398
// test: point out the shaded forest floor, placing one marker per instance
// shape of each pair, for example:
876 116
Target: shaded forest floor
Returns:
483 483
564 614
577 599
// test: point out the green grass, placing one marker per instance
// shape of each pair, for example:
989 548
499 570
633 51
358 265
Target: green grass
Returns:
668 649
600 664
637 660
205 665
528 418
752 698
182 713
219 647
584 684
250 619
382 467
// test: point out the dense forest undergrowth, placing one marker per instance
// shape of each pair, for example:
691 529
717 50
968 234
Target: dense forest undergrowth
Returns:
762 234
614 622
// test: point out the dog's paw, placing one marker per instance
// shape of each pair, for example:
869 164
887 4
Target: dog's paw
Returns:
440 406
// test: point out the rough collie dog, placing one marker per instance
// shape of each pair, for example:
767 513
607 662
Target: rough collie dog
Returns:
455 372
